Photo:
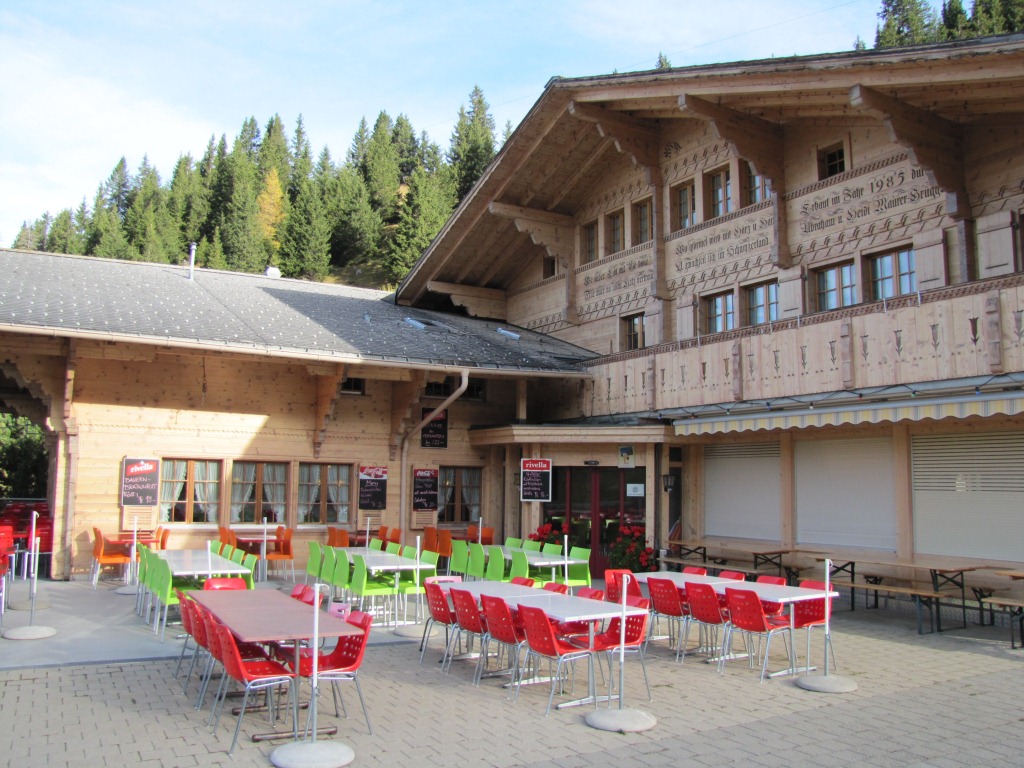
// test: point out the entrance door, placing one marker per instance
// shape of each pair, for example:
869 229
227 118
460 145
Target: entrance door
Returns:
596 501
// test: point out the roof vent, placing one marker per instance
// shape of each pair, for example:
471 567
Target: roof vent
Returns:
415 323
509 334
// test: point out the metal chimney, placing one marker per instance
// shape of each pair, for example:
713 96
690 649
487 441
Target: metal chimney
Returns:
191 260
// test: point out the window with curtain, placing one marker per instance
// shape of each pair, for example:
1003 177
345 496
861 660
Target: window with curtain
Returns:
459 494
325 494
189 491
259 492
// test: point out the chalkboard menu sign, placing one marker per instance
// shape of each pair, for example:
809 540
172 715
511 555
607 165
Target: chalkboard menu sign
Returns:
373 488
140 482
435 433
424 490
535 480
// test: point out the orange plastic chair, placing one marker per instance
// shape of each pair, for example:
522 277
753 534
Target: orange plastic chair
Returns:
471 532
284 554
429 539
395 535
382 533
224 582
487 536
104 553
165 536
342 538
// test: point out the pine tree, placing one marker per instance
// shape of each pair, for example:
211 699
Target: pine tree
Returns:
271 214
357 151
955 24
148 224
274 152
472 144
357 228
381 169
906 22
249 138
107 239
305 242
404 138
63 236
188 202
117 188
663 62
243 241
302 161
427 206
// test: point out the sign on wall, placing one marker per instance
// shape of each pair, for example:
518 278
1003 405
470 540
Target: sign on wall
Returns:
140 482
535 480
435 432
424 490
373 487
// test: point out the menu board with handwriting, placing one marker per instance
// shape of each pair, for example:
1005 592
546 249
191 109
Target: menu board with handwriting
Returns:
373 487
535 480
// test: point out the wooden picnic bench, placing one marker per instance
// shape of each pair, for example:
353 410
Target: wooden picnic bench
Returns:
1014 608
922 594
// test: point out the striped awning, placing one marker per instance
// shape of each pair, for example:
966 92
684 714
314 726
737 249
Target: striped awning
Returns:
911 409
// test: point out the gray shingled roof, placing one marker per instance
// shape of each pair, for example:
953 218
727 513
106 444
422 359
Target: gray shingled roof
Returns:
158 303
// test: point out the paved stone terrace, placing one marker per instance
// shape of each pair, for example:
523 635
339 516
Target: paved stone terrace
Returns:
940 701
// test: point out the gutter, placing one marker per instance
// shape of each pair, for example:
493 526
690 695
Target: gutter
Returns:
403 503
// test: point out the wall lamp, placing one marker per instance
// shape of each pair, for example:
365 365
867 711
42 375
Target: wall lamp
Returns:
668 482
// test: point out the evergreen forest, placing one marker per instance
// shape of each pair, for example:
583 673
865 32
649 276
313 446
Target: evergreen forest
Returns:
263 200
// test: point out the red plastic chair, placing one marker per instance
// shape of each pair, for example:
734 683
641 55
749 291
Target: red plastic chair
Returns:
523 581
772 609
224 582
264 674
808 614
502 628
440 613
735 576
542 643
669 603
613 585
746 615
610 641
342 664
554 586
706 611
696 570
470 621
569 629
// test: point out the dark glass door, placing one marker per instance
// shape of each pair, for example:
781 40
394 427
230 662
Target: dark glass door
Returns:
596 502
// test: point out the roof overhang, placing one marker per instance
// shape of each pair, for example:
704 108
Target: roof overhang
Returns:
520 434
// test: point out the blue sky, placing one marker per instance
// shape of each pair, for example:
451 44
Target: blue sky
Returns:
83 83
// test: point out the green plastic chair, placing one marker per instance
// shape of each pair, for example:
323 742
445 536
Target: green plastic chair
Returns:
329 557
393 548
316 557
215 545
520 566
477 566
250 561
513 542
579 574
552 549
237 556
531 546
163 595
363 586
377 544
226 551
411 582
459 561
341 575
495 564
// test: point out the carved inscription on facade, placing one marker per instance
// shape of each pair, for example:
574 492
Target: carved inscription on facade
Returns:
708 253
616 283
864 198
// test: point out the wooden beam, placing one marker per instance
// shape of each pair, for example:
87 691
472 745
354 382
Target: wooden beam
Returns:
479 302
632 137
531 214
757 140
934 143
328 390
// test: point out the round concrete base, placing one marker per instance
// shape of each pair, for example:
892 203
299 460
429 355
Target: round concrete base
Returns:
620 720
312 754
26 605
826 683
29 633
414 631
130 589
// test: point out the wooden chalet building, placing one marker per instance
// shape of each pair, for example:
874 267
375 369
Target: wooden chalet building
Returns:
803 280
791 289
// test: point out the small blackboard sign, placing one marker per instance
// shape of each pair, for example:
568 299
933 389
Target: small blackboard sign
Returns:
140 482
373 488
535 480
424 490
435 433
